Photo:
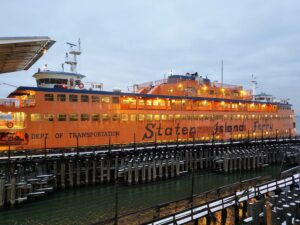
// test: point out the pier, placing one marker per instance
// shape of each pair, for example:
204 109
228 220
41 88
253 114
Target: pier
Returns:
34 174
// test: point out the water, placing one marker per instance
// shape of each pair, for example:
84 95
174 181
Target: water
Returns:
91 204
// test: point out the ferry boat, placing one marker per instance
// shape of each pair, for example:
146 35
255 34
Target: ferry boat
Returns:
64 112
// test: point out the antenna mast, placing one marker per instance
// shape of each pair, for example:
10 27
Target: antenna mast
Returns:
254 85
75 53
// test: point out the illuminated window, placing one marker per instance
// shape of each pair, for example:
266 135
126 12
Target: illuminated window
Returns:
105 117
95 117
84 98
106 99
115 117
62 117
73 98
49 97
170 117
149 117
73 117
126 101
177 117
95 98
183 117
61 98
141 102
49 117
156 117
124 117
163 117
133 117
85 117
35 117
141 117
149 102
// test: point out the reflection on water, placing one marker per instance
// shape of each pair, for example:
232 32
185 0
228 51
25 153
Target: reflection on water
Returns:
91 204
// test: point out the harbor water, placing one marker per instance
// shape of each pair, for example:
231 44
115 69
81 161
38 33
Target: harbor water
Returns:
95 203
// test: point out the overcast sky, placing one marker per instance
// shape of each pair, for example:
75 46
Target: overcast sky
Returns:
134 41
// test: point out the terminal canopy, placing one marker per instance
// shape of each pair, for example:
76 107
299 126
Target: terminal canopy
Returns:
20 53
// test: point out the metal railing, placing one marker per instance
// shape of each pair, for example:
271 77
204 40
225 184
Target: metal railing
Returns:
197 206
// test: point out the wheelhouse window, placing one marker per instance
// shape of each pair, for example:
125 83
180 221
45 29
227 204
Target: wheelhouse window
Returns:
61 98
85 117
49 97
62 117
73 98
84 98
95 98
73 117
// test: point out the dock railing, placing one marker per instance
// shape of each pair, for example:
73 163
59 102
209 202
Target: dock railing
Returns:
188 209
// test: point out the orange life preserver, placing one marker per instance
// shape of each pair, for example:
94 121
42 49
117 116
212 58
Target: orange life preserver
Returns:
81 85
9 124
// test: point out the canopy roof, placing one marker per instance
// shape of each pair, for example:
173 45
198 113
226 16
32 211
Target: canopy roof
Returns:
20 53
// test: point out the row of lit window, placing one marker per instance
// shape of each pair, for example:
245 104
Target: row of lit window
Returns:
82 98
149 102
142 117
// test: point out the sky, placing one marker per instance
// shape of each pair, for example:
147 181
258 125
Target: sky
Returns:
134 41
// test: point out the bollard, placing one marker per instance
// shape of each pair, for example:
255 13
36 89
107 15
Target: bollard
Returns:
268 213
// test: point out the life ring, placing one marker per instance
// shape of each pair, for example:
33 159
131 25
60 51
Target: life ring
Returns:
9 124
81 85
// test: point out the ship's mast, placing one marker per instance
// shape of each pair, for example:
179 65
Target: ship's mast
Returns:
75 53
254 85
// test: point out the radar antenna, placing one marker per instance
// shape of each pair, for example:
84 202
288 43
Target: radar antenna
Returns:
75 52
